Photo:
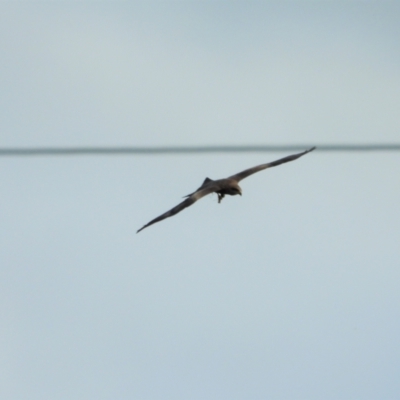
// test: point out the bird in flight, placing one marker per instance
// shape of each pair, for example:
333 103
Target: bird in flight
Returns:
222 187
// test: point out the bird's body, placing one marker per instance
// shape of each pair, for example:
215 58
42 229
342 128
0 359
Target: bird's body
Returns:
228 186
225 186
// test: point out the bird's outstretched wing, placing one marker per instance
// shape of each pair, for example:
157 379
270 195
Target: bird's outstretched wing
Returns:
244 174
186 203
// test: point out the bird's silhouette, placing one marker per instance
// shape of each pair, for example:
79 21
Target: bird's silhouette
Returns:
222 187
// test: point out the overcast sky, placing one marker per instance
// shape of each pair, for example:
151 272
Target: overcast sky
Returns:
288 292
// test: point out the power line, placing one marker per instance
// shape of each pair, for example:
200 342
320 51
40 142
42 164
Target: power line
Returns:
64 151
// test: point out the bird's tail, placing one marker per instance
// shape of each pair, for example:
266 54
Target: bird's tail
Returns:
201 187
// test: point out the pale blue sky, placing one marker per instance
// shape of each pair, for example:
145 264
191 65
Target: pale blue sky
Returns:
288 292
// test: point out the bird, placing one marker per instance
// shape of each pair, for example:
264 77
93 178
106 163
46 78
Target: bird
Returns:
228 186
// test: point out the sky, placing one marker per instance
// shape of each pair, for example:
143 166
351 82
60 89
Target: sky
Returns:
288 292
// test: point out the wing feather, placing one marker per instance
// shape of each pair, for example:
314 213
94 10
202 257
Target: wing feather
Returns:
184 204
247 172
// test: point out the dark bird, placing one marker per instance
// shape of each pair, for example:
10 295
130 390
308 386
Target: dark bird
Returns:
222 187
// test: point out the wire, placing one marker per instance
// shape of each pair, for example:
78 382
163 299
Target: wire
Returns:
64 151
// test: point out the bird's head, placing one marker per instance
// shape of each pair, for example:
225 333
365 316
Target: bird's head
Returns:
235 189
